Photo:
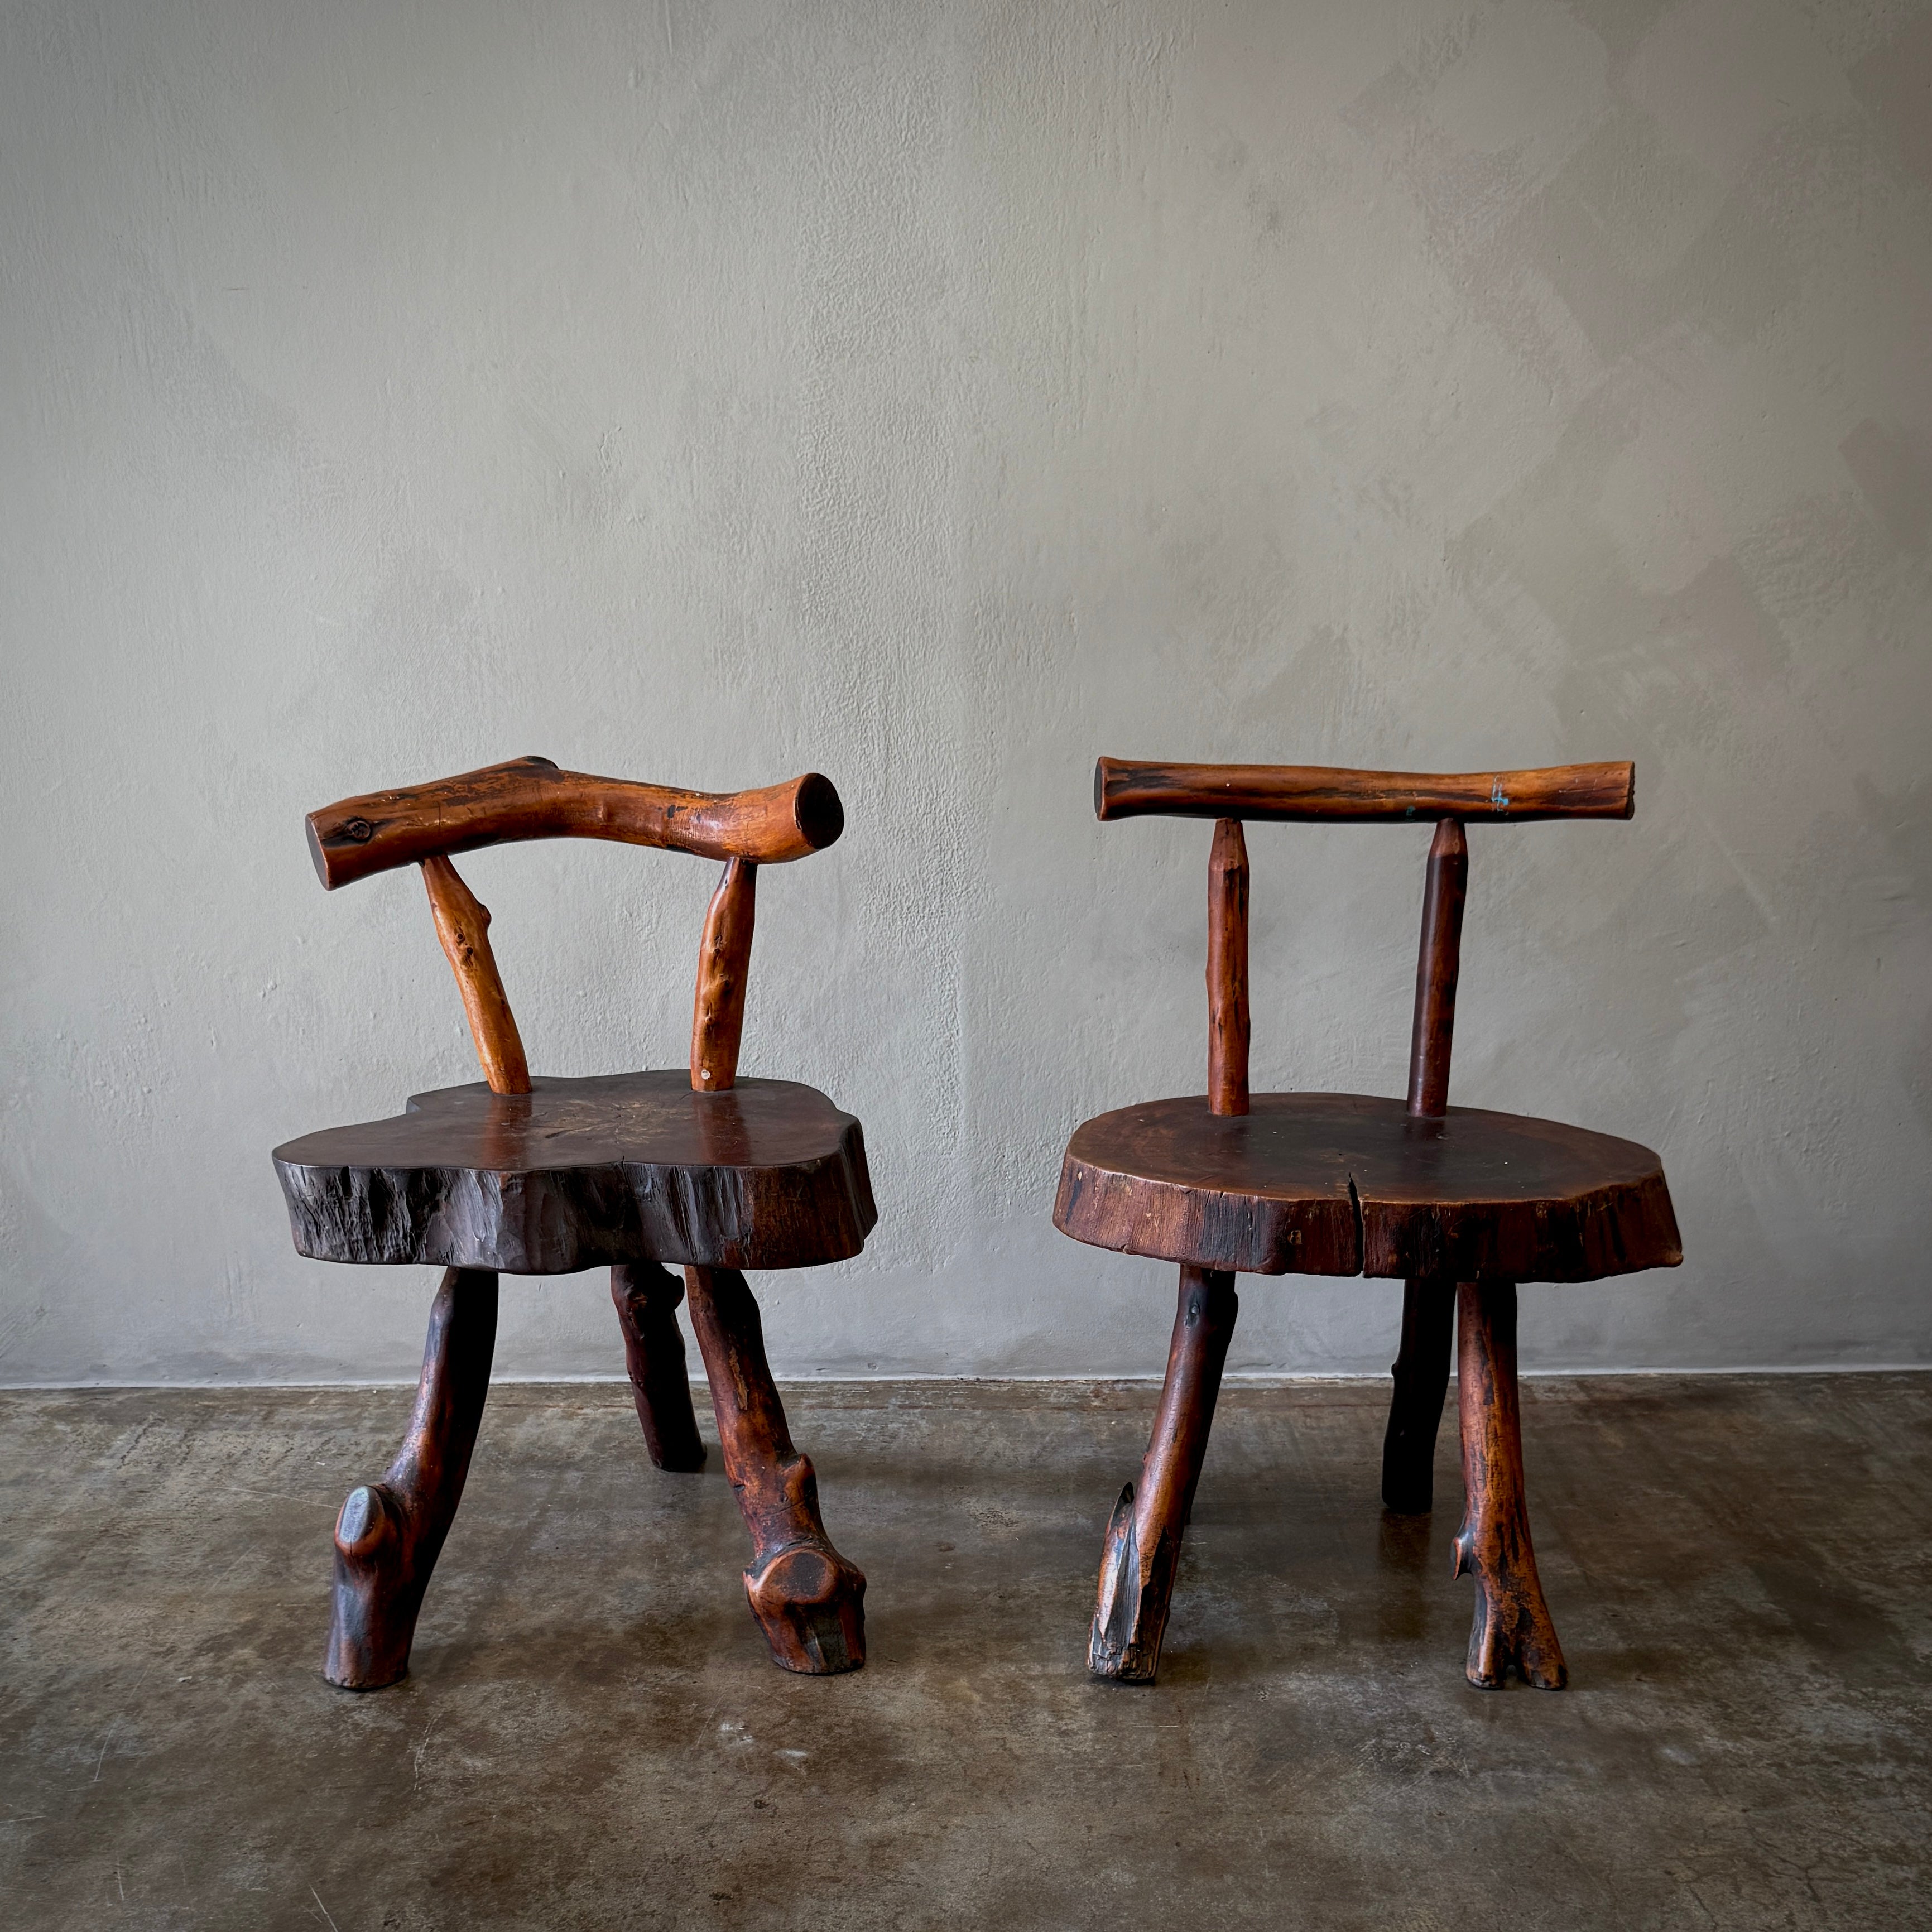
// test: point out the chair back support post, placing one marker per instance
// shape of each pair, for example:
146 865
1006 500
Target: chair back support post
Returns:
1436 968
1228 969
724 966
531 798
463 925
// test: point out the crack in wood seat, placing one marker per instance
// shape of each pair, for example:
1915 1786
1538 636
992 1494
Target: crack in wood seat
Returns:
586 1173
1347 1184
1458 1203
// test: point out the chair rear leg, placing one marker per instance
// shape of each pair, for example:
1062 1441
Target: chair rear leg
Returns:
389 1534
1421 1372
647 1296
810 1602
1512 1628
1143 1546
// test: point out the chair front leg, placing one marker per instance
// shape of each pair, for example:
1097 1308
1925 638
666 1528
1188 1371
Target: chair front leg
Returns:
808 1599
1143 1546
1421 1372
389 1534
647 1296
1512 1627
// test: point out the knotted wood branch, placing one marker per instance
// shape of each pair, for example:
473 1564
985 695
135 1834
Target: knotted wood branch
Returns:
463 925
724 968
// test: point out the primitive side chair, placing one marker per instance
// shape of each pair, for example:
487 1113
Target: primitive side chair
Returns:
626 1170
1460 1203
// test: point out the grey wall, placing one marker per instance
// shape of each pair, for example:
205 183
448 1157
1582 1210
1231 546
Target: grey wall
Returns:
938 395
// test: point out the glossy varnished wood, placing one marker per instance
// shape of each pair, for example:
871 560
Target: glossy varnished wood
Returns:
463 926
1228 969
1143 1546
389 1534
1344 1183
1129 788
808 1599
1437 968
576 1173
723 969
530 798
1511 1630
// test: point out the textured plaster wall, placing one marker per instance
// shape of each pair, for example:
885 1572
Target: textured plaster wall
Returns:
938 395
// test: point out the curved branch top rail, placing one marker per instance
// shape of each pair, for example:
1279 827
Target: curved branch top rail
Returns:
1124 788
530 798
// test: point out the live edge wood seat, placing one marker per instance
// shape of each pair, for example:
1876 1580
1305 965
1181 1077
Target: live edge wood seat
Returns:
692 1167
1459 1203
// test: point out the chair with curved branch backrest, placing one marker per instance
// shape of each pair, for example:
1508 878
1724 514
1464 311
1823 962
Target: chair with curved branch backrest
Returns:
1460 1203
549 1176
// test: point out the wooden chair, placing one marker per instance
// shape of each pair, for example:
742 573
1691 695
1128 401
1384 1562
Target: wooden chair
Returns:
1460 1203
627 1171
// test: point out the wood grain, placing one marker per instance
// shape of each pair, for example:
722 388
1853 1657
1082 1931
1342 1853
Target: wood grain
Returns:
1345 1183
724 971
463 926
1512 1629
1446 885
1128 788
587 1173
646 1298
530 798
389 1534
809 1600
1228 969
1142 1550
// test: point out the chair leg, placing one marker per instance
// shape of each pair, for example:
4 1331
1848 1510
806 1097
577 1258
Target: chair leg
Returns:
389 1534
1421 1372
1143 1546
647 1296
1512 1627
810 1602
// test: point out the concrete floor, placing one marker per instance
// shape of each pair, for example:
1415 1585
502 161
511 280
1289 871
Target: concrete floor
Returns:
592 1737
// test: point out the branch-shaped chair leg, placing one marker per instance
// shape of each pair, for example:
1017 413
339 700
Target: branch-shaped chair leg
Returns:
1421 1372
647 1296
389 1534
1512 1627
808 1599
1143 1546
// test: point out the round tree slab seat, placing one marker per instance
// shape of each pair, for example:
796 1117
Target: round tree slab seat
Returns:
621 1169
1342 1183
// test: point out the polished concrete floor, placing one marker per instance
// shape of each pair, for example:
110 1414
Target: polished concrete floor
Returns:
592 1736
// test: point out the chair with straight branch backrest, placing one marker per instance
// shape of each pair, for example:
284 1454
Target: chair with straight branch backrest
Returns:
625 1170
1459 1203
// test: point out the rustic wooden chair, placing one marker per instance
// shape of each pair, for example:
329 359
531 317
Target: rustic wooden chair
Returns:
627 1171
1460 1203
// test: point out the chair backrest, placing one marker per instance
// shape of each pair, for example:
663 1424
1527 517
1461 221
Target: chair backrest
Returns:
1230 793
530 798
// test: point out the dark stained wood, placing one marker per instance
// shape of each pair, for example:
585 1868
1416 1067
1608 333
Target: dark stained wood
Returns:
1128 788
723 969
1143 1546
588 1173
1421 1372
1447 884
1421 1367
647 1296
530 798
389 1534
1228 969
1343 1183
1512 1630
809 1601
463 926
